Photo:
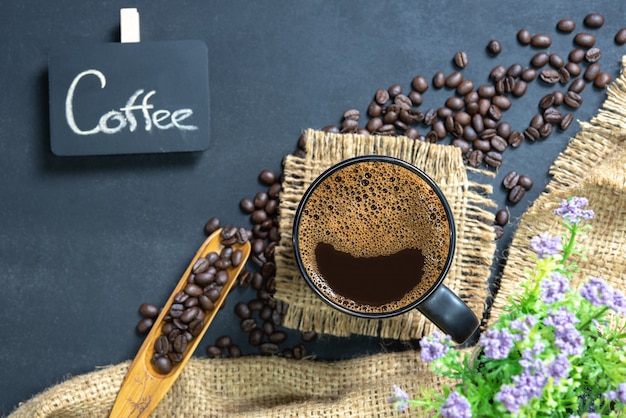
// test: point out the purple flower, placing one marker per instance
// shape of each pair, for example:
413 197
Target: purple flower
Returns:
619 394
523 326
559 368
571 210
400 399
560 317
528 385
569 340
456 406
599 293
554 288
545 245
497 343
435 346
530 356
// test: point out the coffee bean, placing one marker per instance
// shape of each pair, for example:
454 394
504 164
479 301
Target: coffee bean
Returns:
524 37
189 314
162 345
541 40
552 115
439 80
213 293
455 103
537 121
515 70
212 225
525 181
462 144
577 55
476 158
566 25
465 87
269 349
566 121
248 325
494 159
593 55
196 326
331 129
532 134
573 69
510 180
148 310
144 325
205 303
592 71
584 40
419 84
381 97
529 74
180 344
546 101
573 100
502 102
498 72
540 59
519 89
498 143
502 217
214 351
256 337
224 341
454 79
162 364
200 266
374 109
234 351
482 145
602 80
494 47
394 90
578 85
308 336
176 310
246 205
193 289
486 91
460 59
545 130
594 20
558 97
556 61
515 139
516 194
620 36
549 75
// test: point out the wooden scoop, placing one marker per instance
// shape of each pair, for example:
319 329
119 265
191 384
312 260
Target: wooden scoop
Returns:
144 387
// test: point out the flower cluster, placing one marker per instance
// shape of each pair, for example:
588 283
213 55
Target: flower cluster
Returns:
555 351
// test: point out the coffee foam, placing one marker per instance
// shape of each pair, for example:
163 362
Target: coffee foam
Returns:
370 209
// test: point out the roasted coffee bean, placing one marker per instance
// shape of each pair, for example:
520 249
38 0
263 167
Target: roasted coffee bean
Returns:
486 91
573 69
524 37
419 84
349 125
594 20
540 59
463 118
144 325
256 337
465 87
525 181
213 293
246 205
573 99
205 303
278 337
403 101
394 90
578 85
180 344
502 217
162 345
212 225
416 98
516 194
430 117
552 115
267 177
261 199
558 97
255 305
206 278
593 55
454 79
502 102
494 113
510 180
228 232
556 61
269 349
193 289
224 341
248 324
494 47
258 216
189 314
214 351
308 336
331 129
584 40
532 134
148 310
221 277
515 139
549 75
497 73
462 144
620 36
545 130
566 121
546 101
162 364
222 264
236 258
519 89
243 311
529 74
498 143
381 97
537 121
493 159
592 71
460 59
200 266
299 352
234 351
268 327
602 80
176 310
541 40
374 109
515 70
577 55
190 302
478 123
455 103
439 80
566 25
469 134
196 326
482 145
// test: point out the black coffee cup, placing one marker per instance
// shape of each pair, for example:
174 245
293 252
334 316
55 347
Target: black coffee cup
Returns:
374 237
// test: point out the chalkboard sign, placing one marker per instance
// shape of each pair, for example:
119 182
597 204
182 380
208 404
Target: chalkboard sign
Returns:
114 98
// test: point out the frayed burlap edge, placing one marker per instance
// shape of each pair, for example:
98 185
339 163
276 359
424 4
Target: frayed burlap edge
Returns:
475 249
593 166
251 387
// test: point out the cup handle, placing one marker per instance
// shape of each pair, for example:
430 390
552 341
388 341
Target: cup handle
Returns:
450 314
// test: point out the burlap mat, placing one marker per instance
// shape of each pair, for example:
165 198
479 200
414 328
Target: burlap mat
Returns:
593 166
444 164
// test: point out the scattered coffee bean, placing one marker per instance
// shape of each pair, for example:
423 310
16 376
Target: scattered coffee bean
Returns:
573 99
510 180
460 59
494 47
594 20
602 80
516 194
566 121
549 75
593 54
525 181
439 80
502 217
620 36
584 40
524 37
541 40
566 25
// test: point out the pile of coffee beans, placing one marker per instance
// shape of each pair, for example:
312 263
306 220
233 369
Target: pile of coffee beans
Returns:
185 318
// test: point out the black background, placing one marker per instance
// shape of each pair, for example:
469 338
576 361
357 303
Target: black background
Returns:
85 240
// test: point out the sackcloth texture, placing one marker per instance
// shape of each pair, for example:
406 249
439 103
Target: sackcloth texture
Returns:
591 166
468 200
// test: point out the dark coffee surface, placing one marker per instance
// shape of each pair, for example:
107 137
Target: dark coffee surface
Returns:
372 212
85 240
372 281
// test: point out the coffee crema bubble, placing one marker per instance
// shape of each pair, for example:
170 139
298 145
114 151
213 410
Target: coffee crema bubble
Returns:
383 217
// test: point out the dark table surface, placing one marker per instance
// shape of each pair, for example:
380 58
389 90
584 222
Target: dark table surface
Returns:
85 240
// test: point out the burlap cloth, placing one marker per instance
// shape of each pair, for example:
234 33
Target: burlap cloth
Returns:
444 164
593 165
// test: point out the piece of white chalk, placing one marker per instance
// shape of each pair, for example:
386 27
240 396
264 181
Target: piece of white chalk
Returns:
129 25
